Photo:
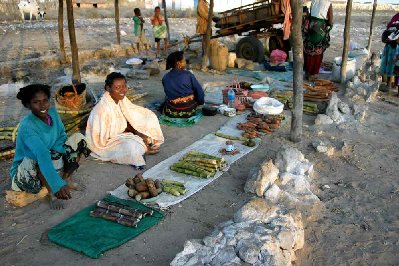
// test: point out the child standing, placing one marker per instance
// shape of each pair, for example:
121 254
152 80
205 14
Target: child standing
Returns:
160 30
138 29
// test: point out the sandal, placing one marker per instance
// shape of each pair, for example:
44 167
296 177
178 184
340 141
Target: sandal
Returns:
152 150
139 168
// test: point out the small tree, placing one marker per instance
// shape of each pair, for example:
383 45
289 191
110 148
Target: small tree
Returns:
61 30
207 36
372 26
166 18
118 32
297 49
346 40
72 39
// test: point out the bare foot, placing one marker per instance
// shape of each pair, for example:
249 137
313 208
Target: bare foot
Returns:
55 204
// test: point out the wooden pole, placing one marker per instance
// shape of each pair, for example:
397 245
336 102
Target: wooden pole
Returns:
72 39
166 17
61 39
297 49
118 32
207 37
372 26
346 40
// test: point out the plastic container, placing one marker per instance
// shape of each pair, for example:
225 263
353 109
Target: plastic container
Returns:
231 98
350 69
260 87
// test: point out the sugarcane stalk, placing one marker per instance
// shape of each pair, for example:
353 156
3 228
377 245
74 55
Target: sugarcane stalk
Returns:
135 97
187 172
197 159
204 155
109 217
172 190
208 167
225 136
2 137
74 112
173 183
124 209
192 167
6 129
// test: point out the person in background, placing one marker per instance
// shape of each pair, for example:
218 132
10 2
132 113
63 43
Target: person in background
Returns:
44 155
160 30
316 36
389 59
120 131
202 20
183 91
138 29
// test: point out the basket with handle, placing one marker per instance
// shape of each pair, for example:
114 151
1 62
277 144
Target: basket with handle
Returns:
71 97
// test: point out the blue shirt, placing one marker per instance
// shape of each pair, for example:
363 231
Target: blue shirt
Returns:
35 140
180 83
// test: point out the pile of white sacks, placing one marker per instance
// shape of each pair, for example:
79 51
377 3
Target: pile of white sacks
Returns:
267 230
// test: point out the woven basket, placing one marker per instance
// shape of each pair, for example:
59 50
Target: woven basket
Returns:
71 97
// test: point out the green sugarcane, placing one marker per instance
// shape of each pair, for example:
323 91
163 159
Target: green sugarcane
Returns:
188 172
204 155
6 129
171 182
5 137
205 167
171 190
192 167
229 137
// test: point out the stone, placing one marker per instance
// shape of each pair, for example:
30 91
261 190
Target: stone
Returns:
344 108
265 177
226 255
319 146
372 92
285 178
138 74
211 241
360 112
18 74
291 160
322 119
249 253
273 193
255 210
332 109
152 67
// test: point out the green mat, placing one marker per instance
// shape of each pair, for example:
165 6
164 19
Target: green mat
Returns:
92 236
181 122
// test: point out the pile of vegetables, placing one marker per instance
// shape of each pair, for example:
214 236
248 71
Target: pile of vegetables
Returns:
286 99
245 141
260 124
140 188
173 187
199 164
319 91
8 134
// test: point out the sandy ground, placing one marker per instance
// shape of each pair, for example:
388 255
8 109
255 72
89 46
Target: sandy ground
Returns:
358 224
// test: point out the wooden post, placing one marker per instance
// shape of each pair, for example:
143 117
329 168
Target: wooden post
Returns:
372 26
346 40
166 17
72 39
297 50
207 37
118 32
61 31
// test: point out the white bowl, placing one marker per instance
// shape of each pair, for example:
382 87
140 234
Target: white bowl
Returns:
134 61
268 106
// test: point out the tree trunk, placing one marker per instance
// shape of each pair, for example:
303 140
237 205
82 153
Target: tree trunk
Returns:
61 31
372 26
346 40
118 32
297 50
207 36
166 17
72 40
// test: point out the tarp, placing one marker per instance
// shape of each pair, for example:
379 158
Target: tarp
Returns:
210 144
92 236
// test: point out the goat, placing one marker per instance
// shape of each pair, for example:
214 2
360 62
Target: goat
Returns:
29 6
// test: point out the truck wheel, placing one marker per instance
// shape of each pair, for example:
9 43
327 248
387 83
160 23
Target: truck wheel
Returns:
250 48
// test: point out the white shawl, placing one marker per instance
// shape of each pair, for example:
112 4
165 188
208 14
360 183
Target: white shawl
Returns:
105 131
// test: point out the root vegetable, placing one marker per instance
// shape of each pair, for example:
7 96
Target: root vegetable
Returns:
158 184
142 186
132 192
151 187
130 183
144 195
138 197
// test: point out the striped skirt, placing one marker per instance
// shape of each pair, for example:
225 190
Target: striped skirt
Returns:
182 107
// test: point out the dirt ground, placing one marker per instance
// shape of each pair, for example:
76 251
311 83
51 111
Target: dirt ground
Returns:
358 224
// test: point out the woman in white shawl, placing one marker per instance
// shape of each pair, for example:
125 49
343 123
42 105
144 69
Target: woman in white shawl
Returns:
120 131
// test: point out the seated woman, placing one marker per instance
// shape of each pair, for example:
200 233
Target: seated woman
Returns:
183 91
43 155
120 131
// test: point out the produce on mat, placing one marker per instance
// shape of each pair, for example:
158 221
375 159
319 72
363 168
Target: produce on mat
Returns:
286 98
173 187
120 214
199 164
140 188
258 125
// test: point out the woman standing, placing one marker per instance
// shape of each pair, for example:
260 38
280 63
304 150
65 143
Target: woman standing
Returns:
317 36
390 53
183 91
160 30
120 131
